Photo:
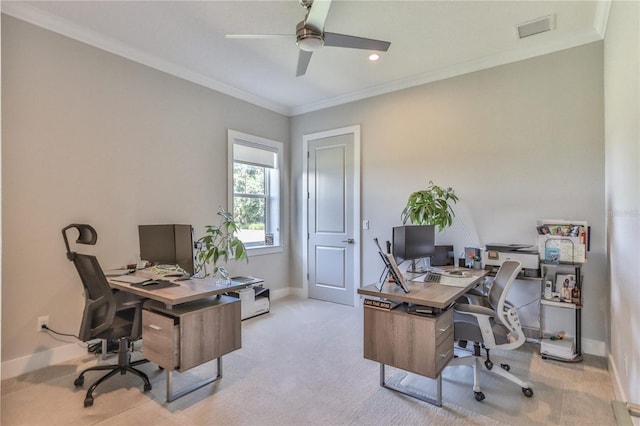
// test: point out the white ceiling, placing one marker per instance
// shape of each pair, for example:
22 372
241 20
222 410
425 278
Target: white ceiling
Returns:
430 40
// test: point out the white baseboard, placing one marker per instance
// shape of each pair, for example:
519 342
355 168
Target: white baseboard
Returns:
29 363
289 291
594 347
621 395
618 390
280 293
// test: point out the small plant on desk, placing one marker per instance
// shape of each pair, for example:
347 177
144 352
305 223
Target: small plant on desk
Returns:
220 242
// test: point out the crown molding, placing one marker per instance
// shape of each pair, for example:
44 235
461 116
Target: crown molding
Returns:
455 70
32 15
58 25
601 16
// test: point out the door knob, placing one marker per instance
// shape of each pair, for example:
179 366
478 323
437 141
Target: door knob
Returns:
349 241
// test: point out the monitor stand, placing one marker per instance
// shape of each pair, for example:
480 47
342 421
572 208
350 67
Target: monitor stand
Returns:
426 266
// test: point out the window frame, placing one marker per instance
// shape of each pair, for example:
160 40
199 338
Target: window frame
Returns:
273 201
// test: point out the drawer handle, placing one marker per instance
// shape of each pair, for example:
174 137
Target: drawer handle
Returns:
155 327
446 354
442 330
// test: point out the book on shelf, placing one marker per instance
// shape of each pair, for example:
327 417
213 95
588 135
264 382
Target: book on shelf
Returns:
552 255
385 305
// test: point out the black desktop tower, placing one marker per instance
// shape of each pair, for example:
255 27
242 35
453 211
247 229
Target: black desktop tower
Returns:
167 244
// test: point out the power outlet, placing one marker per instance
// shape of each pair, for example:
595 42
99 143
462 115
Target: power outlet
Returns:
43 321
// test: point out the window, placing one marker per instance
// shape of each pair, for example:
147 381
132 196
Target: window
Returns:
254 188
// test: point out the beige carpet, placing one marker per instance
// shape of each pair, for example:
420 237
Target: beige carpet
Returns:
302 364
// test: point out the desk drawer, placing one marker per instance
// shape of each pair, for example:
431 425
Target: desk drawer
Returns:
444 352
444 327
420 344
160 340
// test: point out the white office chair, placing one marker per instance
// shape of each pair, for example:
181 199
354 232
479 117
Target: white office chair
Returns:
490 321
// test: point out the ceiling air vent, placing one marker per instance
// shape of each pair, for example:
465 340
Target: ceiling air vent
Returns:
537 26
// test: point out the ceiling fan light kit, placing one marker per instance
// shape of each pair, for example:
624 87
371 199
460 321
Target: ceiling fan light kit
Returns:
307 39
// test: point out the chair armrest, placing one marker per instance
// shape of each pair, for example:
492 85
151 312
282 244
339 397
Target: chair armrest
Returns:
474 310
130 304
474 297
475 292
484 317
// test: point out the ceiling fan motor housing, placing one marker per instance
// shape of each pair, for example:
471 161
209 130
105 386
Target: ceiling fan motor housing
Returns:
306 3
308 39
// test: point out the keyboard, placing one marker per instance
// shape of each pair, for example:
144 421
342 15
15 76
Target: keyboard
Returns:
431 277
131 279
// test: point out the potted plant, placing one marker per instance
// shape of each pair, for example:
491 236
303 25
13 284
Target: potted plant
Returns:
220 242
431 206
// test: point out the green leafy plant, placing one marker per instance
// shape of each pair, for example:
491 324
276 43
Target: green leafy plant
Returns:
220 242
431 206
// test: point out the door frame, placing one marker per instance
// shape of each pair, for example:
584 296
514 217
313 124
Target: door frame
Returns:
357 250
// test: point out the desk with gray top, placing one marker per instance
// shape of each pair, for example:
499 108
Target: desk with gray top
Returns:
186 325
421 344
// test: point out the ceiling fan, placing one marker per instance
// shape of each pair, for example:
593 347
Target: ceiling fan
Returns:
311 36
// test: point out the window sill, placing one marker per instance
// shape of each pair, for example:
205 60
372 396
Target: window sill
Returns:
260 250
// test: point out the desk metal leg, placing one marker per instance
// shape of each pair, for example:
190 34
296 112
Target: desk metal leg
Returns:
406 391
173 396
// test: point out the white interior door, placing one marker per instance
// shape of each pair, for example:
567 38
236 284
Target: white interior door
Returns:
333 246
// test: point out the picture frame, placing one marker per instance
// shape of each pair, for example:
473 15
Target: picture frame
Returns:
543 230
564 284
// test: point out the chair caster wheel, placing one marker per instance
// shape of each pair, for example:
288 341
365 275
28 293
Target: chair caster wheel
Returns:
147 388
528 392
79 381
488 364
505 367
88 402
479 396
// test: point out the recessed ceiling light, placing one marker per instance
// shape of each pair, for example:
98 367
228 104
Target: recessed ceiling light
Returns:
374 57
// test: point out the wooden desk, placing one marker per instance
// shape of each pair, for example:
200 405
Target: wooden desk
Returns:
186 291
429 294
421 344
187 325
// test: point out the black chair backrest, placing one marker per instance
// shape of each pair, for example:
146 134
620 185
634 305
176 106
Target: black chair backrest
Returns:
100 304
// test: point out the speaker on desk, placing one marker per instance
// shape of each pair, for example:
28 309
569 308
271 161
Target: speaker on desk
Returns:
167 244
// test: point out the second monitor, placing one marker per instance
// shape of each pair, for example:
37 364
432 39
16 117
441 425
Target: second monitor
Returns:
167 244
413 242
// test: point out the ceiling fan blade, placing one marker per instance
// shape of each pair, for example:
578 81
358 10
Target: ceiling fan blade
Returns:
318 15
259 36
303 62
353 42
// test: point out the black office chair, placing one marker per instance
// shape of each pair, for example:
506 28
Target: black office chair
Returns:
107 314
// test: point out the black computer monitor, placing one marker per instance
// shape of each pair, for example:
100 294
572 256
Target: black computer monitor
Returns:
167 244
413 242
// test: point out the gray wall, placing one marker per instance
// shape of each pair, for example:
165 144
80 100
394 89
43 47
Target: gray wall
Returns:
91 137
622 149
518 143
